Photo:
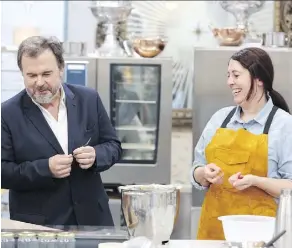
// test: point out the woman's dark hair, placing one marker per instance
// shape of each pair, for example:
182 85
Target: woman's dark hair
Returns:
260 66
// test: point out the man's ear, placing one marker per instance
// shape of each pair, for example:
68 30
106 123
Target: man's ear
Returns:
62 73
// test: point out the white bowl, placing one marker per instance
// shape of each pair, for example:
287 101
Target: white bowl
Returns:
248 228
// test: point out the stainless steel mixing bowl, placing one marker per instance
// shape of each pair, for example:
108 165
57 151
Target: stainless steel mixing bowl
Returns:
150 210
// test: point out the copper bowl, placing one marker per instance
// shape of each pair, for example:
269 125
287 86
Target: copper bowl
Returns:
229 36
148 47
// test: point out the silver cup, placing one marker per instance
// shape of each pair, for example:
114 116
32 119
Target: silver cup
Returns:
111 13
150 210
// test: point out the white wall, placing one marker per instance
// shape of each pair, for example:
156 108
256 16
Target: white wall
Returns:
48 16
81 23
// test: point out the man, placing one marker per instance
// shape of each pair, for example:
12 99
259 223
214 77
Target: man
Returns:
56 139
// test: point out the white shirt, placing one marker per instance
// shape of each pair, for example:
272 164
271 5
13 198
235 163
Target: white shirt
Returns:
60 126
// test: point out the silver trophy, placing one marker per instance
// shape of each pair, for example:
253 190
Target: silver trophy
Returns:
242 10
111 15
150 210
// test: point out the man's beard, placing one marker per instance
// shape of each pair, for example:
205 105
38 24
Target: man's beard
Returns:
47 98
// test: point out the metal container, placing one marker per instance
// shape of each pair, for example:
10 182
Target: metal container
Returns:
146 47
276 39
47 240
66 240
77 48
284 219
150 210
7 240
229 36
27 240
289 39
242 10
74 48
112 13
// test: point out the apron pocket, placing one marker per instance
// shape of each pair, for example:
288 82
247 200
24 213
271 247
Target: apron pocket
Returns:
232 161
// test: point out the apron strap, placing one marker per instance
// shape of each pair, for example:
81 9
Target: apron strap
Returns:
269 120
228 118
267 125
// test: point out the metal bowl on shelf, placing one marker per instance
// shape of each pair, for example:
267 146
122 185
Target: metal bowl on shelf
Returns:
229 36
148 47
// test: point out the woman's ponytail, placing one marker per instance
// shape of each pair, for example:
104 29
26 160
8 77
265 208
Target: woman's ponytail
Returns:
279 100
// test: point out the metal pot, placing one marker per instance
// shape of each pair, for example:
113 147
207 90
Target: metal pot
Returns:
74 48
150 210
277 39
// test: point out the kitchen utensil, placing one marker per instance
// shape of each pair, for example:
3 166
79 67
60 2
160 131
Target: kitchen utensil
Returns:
273 240
248 228
150 210
284 219
260 244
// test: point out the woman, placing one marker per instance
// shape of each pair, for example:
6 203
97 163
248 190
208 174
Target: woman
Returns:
244 155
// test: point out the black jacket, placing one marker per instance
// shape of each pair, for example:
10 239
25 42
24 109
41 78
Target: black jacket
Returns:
27 142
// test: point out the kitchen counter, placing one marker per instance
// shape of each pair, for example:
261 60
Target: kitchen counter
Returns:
88 237
7 224
196 244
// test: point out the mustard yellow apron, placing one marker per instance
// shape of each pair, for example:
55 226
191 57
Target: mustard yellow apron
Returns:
235 151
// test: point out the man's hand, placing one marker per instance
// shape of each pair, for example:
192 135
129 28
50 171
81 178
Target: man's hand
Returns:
85 156
60 165
213 174
241 182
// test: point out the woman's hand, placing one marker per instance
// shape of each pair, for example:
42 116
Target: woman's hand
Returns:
272 186
241 182
213 174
